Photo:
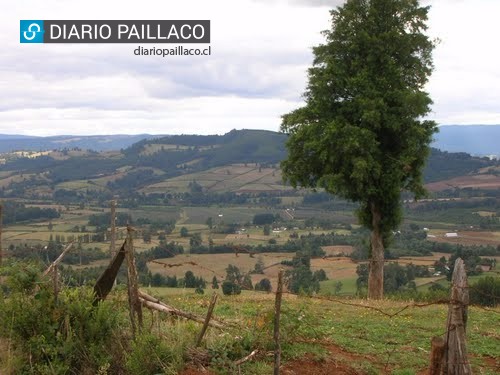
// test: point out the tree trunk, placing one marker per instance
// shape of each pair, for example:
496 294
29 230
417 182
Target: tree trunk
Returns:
376 269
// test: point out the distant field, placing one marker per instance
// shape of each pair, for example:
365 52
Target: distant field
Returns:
14 178
479 181
468 238
199 215
230 178
347 217
79 185
209 265
162 213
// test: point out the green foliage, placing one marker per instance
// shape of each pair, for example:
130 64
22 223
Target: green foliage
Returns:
396 277
104 220
259 266
230 288
215 283
264 285
152 354
262 219
485 292
246 283
14 212
195 240
320 275
300 278
67 334
443 165
199 290
233 274
360 135
133 180
191 281
184 232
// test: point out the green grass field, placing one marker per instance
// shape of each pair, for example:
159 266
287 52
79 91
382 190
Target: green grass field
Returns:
357 335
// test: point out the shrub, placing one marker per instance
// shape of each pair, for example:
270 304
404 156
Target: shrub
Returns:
150 355
486 291
264 285
230 288
56 336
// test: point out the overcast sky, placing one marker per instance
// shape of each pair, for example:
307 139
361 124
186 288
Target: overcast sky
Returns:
261 50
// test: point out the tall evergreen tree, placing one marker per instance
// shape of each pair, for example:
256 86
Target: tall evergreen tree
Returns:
361 134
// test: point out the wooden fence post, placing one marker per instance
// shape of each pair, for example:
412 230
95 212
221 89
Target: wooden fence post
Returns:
277 313
105 282
207 319
55 282
133 285
437 354
112 244
1 229
455 357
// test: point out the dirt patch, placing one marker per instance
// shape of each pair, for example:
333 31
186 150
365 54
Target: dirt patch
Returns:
337 250
308 366
338 362
482 181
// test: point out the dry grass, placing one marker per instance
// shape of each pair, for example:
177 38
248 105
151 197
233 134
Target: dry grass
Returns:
208 265
468 238
480 181
236 177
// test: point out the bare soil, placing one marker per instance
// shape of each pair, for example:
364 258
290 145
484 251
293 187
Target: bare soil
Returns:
480 181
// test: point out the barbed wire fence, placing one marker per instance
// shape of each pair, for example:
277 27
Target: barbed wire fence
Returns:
392 348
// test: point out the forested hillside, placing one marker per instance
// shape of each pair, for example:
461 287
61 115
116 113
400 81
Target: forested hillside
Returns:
239 161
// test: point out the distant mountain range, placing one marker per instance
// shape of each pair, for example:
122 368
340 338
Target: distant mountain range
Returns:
480 140
16 142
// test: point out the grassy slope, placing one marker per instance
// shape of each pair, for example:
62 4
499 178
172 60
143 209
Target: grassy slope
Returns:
362 338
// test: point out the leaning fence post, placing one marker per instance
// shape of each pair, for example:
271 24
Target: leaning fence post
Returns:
133 287
277 313
455 357
207 319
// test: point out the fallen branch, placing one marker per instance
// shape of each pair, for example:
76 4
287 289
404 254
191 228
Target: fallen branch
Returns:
58 260
247 358
155 304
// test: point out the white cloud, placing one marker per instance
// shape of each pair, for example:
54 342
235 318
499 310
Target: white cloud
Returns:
260 54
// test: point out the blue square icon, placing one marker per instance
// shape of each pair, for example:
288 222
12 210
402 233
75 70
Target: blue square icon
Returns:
31 31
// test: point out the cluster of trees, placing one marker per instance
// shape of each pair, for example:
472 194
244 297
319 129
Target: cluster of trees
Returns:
50 252
14 212
443 165
397 278
265 218
301 279
235 281
312 242
65 196
462 212
133 180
